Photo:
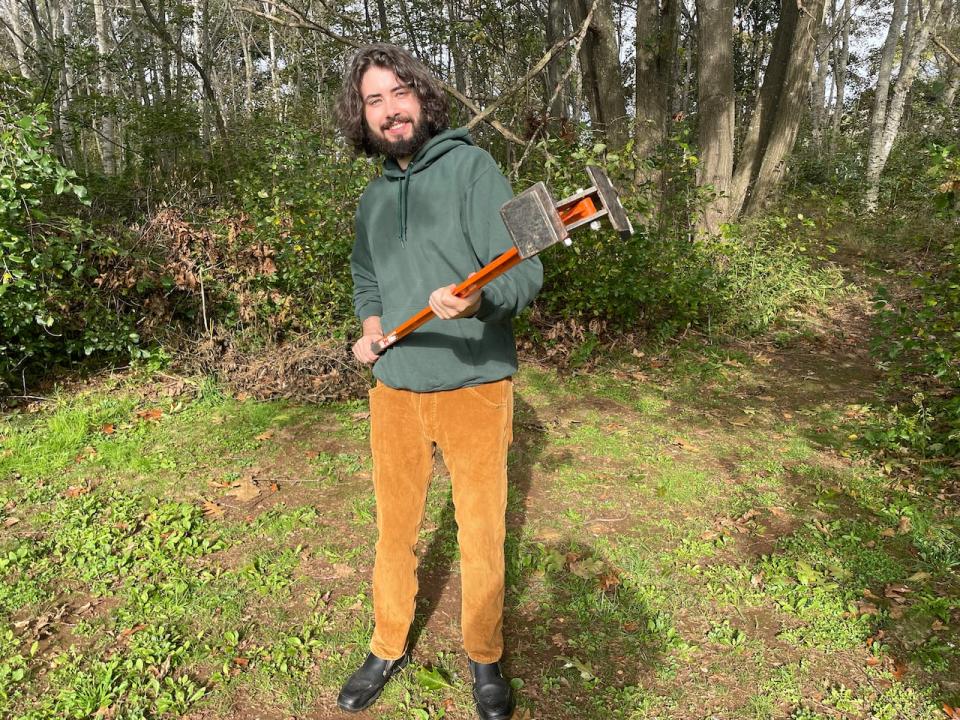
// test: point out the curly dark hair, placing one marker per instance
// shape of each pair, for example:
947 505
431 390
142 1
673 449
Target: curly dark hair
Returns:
349 108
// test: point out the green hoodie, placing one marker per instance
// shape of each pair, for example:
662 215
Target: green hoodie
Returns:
428 227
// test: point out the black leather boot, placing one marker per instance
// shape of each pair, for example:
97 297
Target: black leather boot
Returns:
366 684
492 694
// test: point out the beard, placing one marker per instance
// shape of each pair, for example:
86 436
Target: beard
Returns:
404 147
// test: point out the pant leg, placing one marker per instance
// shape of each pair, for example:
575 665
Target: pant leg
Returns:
475 428
402 465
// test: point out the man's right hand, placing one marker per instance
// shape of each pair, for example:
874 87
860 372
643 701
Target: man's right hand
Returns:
363 348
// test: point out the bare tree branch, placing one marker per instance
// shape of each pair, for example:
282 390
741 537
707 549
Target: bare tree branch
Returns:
950 54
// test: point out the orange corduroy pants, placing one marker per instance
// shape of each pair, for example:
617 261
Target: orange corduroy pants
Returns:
472 426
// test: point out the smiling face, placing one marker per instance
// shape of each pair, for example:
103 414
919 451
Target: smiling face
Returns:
392 113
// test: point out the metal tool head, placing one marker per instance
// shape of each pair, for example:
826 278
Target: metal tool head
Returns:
532 221
610 199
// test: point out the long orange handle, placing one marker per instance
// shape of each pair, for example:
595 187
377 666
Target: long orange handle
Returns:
483 276
569 214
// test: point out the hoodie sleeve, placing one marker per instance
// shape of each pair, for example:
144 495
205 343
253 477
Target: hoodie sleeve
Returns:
366 289
510 293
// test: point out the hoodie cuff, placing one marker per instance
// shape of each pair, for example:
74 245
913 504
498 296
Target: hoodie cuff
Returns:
369 310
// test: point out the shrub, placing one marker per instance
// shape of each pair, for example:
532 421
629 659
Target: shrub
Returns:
50 310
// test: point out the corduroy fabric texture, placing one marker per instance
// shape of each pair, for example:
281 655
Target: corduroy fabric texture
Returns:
473 427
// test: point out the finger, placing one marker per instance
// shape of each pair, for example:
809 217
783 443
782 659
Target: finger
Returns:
440 305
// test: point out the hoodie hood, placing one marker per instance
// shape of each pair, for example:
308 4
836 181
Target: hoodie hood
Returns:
432 150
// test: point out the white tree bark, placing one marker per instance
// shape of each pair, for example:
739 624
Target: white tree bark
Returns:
11 12
840 73
818 95
882 143
200 48
274 69
67 80
107 139
878 117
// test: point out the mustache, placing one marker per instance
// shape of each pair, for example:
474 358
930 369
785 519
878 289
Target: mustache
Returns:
395 118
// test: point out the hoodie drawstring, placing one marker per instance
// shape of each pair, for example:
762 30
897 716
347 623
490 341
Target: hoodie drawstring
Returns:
402 207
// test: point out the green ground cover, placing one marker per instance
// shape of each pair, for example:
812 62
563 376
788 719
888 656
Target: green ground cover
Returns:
693 533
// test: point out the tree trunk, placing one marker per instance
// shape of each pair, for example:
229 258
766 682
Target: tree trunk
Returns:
200 49
656 47
840 74
600 63
776 118
715 106
384 23
818 95
66 84
881 145
456 47
554 74
789 111
15 30
246 41
274 69
952 80
107 126
879 115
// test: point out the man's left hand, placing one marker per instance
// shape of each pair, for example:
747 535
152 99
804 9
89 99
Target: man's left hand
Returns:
447 306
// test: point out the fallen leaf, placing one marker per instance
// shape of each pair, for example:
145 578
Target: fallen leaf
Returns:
888 532
341 570
549 534
609 581
899 669
873 661
130 631
265 435
953 713
10 522
918 576
152 414
896 591
241 396
905 525
245 491
76 490
274 487
108 429
685 445
212 509
241 661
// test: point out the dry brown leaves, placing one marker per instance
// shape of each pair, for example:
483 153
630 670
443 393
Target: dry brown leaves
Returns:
150 414
302 369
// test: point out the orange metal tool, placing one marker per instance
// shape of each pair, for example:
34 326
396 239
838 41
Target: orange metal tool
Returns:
535 222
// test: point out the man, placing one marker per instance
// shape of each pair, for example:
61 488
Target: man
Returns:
430 220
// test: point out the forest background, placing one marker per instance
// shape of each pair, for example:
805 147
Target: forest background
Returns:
174 197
